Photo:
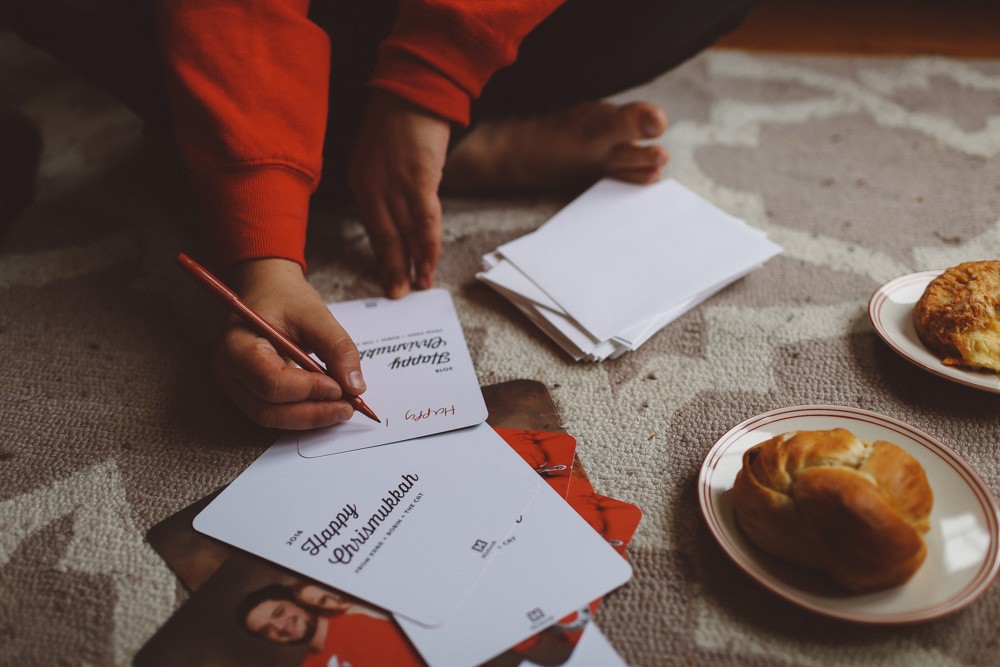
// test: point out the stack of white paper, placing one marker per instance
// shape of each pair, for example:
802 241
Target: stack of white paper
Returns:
622 261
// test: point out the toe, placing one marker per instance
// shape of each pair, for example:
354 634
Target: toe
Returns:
635 163
644 120
606 124
629 155
638 176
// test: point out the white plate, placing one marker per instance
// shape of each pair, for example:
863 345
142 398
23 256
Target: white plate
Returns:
891 312
962 545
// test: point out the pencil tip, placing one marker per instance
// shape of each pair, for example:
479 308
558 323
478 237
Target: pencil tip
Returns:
362 407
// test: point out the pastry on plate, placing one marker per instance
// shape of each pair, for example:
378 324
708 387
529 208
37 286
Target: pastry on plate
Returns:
958 316
854 511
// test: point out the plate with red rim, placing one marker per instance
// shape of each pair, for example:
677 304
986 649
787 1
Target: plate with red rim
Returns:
890 310
963 544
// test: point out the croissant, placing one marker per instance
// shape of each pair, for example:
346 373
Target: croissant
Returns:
824 500
958 315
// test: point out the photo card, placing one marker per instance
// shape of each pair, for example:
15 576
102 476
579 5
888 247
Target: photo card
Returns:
254 614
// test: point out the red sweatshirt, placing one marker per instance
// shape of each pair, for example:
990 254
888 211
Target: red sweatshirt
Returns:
248 82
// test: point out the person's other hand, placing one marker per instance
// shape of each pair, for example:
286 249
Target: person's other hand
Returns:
266 387
395 172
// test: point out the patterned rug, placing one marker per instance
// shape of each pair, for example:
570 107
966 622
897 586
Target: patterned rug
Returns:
862 169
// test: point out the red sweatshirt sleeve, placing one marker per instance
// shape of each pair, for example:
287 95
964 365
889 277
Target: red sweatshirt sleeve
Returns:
441 53
248 84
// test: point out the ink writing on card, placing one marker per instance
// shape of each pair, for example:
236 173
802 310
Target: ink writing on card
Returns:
435 359
425 413
346 537
406 354
420 376
319 540
392 528
347 550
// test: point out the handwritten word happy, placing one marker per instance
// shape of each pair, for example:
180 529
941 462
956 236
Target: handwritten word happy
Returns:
429 412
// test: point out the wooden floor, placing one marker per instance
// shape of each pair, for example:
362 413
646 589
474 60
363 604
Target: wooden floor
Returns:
964 28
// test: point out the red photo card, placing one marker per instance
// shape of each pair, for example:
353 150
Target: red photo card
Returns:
550 454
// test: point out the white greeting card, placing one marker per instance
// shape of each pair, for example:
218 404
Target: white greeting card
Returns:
409 527
622 261
418 370
553 564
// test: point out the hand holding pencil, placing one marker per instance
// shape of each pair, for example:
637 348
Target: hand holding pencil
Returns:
279 311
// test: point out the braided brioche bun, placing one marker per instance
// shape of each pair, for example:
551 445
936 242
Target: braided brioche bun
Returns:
958 316
827 501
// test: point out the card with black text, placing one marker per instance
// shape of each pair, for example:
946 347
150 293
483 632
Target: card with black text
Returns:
416 363
553 564
408 526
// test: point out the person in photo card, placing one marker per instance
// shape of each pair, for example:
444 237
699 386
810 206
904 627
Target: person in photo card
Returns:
335 628
322 598
253 614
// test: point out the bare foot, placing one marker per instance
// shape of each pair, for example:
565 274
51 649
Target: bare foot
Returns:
565 149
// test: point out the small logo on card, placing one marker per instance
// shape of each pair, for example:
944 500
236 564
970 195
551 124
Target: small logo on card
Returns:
538 618
483 547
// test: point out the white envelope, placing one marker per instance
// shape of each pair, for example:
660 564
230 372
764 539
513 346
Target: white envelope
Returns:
409 527
621 254
553 564
567 333
418 370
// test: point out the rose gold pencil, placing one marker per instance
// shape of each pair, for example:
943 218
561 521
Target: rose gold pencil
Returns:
283 343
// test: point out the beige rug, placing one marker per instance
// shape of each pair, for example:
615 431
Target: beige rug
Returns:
862 169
